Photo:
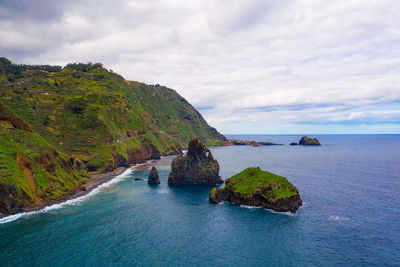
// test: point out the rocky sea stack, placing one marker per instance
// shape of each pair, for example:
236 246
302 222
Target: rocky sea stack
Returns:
153 176
197 167
255 187
306 141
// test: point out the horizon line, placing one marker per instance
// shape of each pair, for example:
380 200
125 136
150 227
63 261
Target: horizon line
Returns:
313 134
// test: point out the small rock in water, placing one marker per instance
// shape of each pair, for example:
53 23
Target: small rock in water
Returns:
153 176
293 144
138 179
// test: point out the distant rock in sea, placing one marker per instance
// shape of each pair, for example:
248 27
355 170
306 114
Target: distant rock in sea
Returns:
293 144
138 179
237 142
306 141
198 166
153 176
255 187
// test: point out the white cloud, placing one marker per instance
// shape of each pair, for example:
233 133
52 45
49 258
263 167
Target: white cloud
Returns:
263 66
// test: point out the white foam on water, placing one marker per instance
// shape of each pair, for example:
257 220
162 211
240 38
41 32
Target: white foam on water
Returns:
74 201
250 207
288 213
338 218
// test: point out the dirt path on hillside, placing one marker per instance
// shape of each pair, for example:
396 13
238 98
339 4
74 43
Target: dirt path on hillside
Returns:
24 163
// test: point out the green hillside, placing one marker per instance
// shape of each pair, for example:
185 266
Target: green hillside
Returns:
82 118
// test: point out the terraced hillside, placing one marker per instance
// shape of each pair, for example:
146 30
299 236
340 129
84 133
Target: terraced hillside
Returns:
83 118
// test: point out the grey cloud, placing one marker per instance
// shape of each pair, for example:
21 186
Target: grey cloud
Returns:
39 10
245 64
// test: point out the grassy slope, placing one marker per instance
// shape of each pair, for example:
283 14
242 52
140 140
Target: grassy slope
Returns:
88 114
251 180
25 155
91 116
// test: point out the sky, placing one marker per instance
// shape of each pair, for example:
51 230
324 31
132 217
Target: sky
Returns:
260 67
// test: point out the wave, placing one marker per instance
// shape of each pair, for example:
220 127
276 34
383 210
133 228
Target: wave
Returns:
250 207
338 218
288 213
74 201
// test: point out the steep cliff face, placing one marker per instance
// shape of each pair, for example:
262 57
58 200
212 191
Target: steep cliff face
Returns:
31 170
197 167
94 114
90 115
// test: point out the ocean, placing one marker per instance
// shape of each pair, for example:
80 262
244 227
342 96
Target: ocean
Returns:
350 187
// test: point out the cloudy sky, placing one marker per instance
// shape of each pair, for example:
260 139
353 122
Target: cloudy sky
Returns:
270 66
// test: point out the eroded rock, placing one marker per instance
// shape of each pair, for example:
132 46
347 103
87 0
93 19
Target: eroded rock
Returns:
153 176
198 166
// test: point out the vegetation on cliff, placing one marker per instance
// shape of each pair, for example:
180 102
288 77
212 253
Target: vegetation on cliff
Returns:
88 116
256 187
31 170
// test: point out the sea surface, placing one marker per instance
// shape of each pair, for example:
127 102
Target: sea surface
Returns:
350 187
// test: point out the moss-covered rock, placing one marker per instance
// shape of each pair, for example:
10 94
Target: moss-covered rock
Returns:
255 187
306 141
197 167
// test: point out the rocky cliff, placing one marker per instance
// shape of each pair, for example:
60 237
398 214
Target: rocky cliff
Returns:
59 124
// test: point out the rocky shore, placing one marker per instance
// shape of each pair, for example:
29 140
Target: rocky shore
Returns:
94 181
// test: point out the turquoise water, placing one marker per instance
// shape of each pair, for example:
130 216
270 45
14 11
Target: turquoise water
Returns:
351 217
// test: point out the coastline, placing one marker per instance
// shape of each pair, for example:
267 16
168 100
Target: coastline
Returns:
83 189
95 181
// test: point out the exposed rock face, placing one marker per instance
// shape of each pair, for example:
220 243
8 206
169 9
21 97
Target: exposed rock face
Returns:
197 167
306 141
9 204
146 152
293 144
153 176
254 187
